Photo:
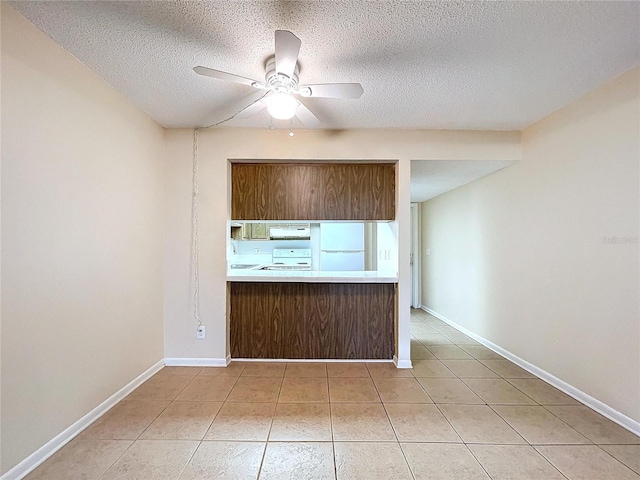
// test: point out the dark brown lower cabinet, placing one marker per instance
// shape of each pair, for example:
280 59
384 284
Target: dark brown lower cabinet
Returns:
312 320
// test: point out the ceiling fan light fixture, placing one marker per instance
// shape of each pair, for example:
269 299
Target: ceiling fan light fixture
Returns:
281 83
282 106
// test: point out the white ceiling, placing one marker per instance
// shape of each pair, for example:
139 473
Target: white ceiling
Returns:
430 178
432 65
423 65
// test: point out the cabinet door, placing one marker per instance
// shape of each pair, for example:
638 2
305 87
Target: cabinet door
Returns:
382 198
257 319
236 233
259 231
313 191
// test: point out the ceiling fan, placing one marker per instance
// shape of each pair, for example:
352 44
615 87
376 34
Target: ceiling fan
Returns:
281 81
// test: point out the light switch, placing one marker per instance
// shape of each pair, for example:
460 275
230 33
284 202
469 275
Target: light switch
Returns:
427 251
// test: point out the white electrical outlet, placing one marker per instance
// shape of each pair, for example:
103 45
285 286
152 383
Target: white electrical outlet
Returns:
200 332
256 250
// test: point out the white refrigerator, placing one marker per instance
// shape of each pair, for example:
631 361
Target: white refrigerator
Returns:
342 246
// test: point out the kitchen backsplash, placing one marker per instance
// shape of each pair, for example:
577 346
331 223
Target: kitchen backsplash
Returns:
249 247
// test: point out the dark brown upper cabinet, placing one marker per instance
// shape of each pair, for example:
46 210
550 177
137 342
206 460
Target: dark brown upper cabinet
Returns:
313 191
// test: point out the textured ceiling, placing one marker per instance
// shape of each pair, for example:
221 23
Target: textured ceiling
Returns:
434 65
430 178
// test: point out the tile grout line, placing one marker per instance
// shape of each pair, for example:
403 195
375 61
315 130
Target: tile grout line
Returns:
219 410
520 434
404 455
165 408
264 453
189 460
115 461
477 460
174 401
266 443
145 429
393 428
567 424
617 459
549 462
333 440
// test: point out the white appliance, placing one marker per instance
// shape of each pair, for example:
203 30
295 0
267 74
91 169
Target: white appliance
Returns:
290 259
290 233
342 247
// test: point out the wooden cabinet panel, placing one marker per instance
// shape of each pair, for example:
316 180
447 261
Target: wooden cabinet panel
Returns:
335 200
320 191
312 320
276 186
380 329
382 199
360 180
320 312
257 322
242 180
240 328
353 325
262 191
295 324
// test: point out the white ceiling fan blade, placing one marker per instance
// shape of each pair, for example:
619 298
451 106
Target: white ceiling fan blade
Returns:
307 118
287 49
210 72
332 90
251 109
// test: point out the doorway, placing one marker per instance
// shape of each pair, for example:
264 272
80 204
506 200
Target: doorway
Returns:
415 255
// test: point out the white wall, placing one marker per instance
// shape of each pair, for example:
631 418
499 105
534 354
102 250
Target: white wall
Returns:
217 146
520 257
82 248
386 248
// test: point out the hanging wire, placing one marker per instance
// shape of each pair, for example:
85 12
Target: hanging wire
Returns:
195 246
237 113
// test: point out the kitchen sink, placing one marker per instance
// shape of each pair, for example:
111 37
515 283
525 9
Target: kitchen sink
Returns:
286 267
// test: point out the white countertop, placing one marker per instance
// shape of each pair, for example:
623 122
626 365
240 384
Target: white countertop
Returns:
308 276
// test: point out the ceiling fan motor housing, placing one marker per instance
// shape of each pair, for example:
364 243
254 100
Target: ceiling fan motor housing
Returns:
278 81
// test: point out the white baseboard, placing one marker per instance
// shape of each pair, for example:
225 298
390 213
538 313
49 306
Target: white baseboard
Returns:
402 363
56 443
591 402
310 360
197 362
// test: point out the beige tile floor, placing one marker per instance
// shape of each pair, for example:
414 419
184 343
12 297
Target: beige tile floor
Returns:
461 413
